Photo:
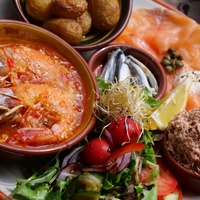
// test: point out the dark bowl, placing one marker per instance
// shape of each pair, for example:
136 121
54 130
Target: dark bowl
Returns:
94 39
186 178
98 59
11 30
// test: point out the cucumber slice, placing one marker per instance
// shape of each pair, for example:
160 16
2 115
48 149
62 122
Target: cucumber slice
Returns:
172 197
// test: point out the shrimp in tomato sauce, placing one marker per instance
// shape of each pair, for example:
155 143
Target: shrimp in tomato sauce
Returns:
42 96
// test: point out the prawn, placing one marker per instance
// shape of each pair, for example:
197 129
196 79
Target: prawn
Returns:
43 119
49 119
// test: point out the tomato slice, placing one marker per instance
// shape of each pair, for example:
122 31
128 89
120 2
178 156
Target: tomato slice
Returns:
125 149
177 191
166 181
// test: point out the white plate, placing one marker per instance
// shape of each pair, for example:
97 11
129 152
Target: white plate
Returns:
10 170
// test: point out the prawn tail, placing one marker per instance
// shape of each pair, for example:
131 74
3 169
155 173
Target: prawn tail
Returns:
36 136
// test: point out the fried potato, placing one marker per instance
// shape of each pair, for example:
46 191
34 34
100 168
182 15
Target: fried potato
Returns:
39 10
85 21
68 29
105 13
69 8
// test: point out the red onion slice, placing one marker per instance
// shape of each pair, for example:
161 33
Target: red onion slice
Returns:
76 157
71 170
117 164
70 155
125 162
120 163
109 138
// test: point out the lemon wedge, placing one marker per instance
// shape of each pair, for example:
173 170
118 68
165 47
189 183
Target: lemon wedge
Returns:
171 104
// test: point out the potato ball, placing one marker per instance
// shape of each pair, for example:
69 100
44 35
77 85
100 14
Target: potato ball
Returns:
105 13
69 8
68 29
39 10
85 21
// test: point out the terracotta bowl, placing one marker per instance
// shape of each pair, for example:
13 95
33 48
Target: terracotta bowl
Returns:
186 178
16 30
94 39
98 59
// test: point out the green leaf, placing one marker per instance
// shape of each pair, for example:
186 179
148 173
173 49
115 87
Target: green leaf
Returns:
146 193
150 194
102 84
111 180
154 103
39 193
38 185
58 190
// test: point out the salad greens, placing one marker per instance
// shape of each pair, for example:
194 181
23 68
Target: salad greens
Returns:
45 185
90 185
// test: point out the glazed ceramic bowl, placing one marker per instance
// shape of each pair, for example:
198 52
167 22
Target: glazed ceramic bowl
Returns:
94 39
98 59
21 31
186 178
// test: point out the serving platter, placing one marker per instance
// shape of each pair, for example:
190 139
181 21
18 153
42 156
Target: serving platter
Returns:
9 169
190 8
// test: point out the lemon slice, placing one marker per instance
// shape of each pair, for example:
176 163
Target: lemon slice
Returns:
171 104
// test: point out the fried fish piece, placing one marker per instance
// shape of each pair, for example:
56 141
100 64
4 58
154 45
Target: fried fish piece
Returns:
69 8
39 10
68 29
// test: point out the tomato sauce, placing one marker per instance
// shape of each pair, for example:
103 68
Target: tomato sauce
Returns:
42 95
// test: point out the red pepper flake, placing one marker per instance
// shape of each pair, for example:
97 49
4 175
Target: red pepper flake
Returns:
10 62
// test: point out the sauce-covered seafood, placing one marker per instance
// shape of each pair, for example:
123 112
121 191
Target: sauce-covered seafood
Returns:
42 95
